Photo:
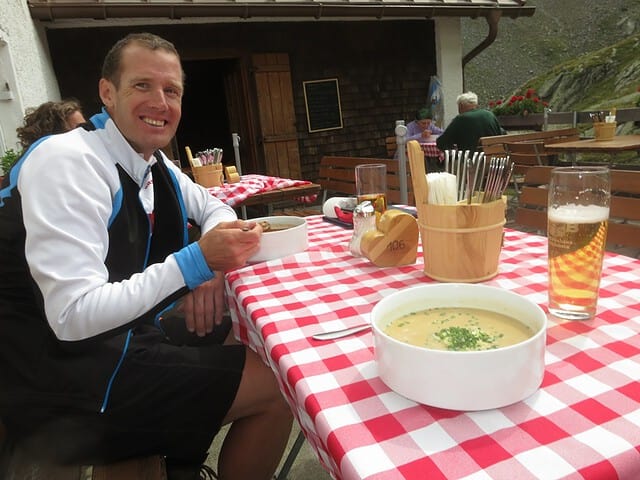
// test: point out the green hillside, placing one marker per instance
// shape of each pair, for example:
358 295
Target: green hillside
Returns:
606 78
546 50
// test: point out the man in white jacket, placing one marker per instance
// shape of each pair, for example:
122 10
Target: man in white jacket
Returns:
93 251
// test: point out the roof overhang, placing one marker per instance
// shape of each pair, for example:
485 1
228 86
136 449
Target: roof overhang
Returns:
286 10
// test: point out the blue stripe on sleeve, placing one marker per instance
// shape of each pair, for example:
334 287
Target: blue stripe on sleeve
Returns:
193 266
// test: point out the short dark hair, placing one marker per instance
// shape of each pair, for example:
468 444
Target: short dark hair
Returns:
113 59
423 114
47 119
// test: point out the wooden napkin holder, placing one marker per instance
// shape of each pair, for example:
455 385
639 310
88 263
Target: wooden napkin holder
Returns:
231 174
394 241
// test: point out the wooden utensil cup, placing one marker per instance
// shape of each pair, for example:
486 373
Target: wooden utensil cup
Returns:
604 130
460 243
209 175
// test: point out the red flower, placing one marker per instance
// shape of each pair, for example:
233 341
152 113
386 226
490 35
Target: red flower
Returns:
525 104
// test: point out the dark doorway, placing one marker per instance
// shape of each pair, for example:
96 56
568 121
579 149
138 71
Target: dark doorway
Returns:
205 118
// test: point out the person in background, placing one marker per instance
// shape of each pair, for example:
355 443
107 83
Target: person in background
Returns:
94 254
471 123
422 128
48 119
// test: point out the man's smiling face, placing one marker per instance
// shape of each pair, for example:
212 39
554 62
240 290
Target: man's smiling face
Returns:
146 105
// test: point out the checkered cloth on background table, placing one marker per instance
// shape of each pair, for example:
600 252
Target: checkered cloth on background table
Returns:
234 194
584 422
431 150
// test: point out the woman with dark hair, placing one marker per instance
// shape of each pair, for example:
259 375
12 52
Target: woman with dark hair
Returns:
48 119
422 127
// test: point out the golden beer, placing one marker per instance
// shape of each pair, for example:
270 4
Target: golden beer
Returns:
378 200
577 237
371 185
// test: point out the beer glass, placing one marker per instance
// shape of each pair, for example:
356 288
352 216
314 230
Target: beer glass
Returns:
577 219
371 184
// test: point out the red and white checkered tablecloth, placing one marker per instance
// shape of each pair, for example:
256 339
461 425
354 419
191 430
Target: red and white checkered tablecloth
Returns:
431 150
235 193
583 423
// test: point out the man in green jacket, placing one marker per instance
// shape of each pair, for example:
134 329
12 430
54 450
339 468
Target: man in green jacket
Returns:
471 123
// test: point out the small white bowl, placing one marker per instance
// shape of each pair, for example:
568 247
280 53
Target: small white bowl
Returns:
280 243
455 380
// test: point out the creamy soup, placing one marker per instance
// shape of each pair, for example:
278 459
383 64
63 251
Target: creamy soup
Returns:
458 329
273 226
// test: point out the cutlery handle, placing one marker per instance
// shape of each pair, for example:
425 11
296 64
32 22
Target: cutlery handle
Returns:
340 333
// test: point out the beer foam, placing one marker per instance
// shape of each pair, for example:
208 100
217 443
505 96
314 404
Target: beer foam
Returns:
572 213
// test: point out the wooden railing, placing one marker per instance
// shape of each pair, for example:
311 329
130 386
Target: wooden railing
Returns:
540 121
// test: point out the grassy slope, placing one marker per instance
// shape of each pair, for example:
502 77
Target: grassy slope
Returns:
533 51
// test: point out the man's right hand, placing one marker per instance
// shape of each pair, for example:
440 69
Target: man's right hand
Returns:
230 244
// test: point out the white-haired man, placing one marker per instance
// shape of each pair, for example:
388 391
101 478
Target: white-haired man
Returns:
471 123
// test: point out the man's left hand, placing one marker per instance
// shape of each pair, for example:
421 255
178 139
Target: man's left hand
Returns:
204 306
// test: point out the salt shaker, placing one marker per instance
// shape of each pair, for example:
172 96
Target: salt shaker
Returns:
364 219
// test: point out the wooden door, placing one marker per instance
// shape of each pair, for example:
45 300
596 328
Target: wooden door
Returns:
240 113
278 135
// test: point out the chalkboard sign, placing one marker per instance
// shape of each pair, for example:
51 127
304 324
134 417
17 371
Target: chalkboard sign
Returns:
322 100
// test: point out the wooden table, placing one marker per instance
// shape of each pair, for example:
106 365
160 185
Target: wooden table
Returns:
264 190
617 144
583 422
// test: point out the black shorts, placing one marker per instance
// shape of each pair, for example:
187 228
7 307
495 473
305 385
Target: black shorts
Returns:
166 399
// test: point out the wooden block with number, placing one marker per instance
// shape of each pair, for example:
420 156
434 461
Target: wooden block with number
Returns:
232 174
394 242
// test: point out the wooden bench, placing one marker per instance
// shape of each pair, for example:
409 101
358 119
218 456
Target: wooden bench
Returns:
337 175
624 217
526 149
21 467
525 155
15 464
392 145
495 145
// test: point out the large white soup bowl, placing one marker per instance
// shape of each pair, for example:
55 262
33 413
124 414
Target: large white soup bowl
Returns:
280 243
460 380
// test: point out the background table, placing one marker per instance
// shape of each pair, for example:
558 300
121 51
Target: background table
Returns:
584 422
618 144
431 150
264 190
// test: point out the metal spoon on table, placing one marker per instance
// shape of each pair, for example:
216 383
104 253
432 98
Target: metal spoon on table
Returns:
343 332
